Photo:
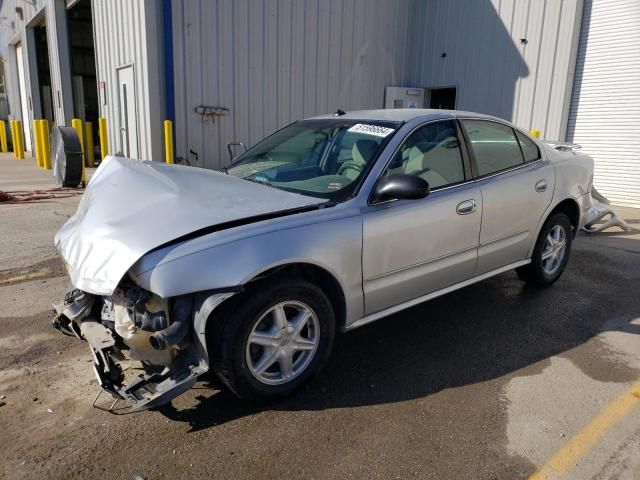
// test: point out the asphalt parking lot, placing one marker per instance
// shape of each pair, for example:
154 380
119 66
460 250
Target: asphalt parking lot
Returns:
496 381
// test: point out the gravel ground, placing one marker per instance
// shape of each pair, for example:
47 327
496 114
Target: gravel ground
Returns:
487 382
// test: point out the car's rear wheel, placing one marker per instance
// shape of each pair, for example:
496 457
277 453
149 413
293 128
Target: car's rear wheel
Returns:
274 339
551 252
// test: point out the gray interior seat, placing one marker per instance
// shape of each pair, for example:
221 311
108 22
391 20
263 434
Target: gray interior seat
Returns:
439 164
361 153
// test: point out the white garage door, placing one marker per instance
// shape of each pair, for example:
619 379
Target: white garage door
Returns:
605 104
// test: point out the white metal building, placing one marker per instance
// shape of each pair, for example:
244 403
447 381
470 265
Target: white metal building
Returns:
568 68
49 62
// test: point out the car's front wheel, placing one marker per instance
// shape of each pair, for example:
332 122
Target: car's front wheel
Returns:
551 252
274 339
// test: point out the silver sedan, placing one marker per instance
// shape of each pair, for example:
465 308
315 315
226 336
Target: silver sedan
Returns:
328 224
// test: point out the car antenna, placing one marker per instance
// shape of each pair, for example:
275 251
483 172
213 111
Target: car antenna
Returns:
339 113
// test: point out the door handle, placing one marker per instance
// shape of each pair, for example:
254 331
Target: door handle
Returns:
541 186
466 207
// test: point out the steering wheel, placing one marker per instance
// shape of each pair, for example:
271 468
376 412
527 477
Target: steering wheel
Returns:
350 165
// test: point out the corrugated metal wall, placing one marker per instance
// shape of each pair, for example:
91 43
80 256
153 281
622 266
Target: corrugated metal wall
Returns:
129 32
57 39
274 62
126 32
605 105
495 73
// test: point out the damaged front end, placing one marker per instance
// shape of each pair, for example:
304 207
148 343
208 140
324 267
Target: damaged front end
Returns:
146 349
131 211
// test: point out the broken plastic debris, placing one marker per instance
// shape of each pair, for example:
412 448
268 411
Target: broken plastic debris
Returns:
49 410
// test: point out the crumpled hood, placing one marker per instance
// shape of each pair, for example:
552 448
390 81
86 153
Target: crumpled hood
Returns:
131 207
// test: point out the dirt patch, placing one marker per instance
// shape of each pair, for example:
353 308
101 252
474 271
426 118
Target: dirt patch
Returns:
30 328
30 346
38 196
50 268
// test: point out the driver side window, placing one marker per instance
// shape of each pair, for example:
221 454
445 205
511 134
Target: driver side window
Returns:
433 153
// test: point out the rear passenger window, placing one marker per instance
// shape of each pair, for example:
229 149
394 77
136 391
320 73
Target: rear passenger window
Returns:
529 149
433 153
495 146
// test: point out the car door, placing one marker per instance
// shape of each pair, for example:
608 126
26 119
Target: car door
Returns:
414 247
517 187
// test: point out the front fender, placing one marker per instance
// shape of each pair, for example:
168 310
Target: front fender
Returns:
334 245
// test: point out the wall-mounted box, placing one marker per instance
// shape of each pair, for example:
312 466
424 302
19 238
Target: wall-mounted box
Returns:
403 97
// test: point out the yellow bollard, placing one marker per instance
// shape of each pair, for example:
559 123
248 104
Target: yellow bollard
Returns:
14 142
90 154
20 139
76 123
15 139
36 144
168 141
104 140
43 126
535 133
3 136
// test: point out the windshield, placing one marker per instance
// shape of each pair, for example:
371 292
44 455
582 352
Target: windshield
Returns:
321 158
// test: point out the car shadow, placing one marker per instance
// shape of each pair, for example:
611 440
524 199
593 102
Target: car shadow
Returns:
479 333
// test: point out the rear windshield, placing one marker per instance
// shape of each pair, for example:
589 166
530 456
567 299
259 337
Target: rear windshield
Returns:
321 158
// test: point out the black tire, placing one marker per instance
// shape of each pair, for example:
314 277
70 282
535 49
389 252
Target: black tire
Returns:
535 273
228 339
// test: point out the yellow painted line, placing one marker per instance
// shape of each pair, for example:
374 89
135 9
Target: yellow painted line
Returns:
578 446
24 278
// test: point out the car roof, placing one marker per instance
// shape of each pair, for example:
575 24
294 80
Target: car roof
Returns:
404 115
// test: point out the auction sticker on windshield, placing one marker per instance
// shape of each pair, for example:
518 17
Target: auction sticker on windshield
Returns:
375 130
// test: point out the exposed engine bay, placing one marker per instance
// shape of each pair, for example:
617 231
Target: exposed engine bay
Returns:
136 327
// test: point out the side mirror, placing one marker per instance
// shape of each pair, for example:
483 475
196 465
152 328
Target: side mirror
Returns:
399 187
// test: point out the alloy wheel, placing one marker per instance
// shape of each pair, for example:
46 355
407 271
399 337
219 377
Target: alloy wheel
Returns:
283 342
554 250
